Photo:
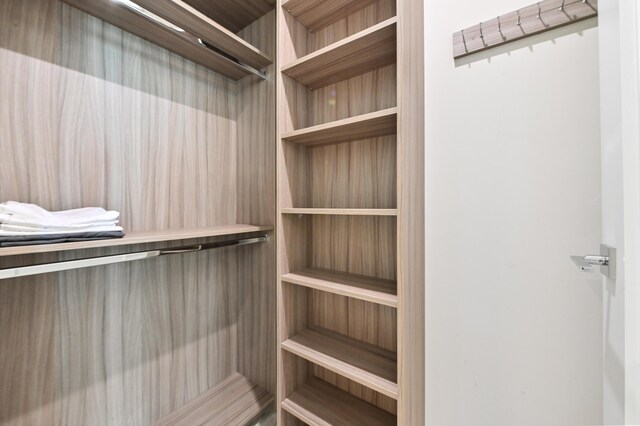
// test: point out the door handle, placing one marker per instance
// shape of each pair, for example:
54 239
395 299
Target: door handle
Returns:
606 260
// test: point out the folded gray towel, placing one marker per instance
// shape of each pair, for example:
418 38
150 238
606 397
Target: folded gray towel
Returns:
27 240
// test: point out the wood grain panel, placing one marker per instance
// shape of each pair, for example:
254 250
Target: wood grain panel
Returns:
92 115
411 274
310 402
375 124
354 22
367 50
359 174
316 15
234 15
235 401
256 183
179 42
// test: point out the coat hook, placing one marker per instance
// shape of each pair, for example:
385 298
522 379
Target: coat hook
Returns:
464 42
561 9
482 35
539 12
500 26
519 23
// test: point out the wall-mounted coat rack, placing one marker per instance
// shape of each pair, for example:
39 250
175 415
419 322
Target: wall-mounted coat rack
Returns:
537 18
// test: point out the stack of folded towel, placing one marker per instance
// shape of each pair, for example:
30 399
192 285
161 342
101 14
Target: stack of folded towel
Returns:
26 224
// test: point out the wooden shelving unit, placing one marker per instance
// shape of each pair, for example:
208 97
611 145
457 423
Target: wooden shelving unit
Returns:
347 357
359 287
138 238
367 50
235 401
222 50
309 403
372 125
316 15
350 212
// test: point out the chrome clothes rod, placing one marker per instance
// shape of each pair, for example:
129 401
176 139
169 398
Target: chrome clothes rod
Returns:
45 268
537 18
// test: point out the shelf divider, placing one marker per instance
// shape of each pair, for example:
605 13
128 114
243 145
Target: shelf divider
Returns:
320 404
362 52
348 357
375 290
365 126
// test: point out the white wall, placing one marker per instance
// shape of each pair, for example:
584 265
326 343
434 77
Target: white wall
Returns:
512 189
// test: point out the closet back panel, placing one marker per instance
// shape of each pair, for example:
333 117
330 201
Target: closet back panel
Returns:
256 161
91 115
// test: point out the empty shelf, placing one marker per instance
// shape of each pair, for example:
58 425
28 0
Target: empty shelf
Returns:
372 125
365 51
320 404
233 14
138 238
341 212
315 15
375 290
177 27
348 357
235 401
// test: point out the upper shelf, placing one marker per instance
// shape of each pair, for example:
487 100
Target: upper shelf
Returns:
138 238
233 14
372 125
365 51
315 15
180 28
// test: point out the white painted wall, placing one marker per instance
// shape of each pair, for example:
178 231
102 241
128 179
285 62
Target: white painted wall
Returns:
512 189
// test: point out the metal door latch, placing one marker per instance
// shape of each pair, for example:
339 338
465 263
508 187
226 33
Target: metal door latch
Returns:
606 261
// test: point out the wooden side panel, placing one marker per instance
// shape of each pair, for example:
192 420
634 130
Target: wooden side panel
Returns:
91 115
411 229
256 164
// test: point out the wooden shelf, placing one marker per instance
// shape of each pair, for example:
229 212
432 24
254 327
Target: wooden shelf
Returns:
372 125
341 212
319 404
375 290
233 14
370 366
235 401
138 238
315 15
185 43
365 51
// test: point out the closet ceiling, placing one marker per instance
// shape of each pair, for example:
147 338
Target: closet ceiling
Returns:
232 14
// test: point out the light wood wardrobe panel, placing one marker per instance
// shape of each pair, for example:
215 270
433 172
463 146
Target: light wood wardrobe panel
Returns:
91 115
112 120
256 194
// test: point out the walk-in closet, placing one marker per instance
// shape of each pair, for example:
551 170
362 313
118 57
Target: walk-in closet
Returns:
266 161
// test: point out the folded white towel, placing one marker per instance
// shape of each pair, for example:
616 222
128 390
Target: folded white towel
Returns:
96 228
32 215
6 233
34 225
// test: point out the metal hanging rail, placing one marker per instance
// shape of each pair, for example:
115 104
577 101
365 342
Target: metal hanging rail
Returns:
45 268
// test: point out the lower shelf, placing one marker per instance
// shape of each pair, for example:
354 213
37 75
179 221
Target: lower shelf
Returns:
320 404
372 367
235 401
